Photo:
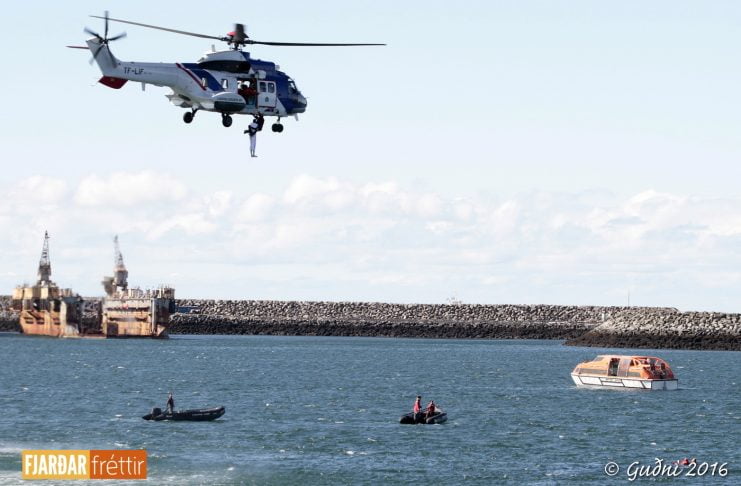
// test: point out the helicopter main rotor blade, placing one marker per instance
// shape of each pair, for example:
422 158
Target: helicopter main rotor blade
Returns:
204 36
116 37
314 44
94 34
239 38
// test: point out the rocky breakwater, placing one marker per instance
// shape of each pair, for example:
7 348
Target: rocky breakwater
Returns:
665 328
631 327
389 320
8 317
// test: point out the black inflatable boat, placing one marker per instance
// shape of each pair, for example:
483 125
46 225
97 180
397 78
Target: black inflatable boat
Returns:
419 418
195 415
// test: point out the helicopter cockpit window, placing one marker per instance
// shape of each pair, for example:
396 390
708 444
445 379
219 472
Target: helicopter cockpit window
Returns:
262 87
292 87
203 82
271 87
225 83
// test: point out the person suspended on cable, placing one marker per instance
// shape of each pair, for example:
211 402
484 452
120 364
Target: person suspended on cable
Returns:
252 130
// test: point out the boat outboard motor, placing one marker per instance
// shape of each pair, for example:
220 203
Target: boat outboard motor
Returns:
156 411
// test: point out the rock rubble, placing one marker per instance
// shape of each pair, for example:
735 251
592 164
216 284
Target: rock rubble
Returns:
652 328
634 327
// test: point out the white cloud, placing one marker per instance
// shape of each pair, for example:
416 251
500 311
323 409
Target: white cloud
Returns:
129 189
429 206
257 207
191 224
385 241
218 203
305 187
39 189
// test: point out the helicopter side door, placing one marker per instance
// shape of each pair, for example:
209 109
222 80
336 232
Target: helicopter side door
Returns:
247 88
267 96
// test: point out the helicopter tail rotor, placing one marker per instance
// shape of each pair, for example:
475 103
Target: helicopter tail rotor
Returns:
103 41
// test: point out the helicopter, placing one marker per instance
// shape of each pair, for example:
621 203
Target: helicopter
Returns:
229 82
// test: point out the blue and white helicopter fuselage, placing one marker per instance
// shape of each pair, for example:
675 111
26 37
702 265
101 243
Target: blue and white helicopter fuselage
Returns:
227 82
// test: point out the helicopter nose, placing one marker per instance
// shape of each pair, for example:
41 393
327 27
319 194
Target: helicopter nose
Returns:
299 103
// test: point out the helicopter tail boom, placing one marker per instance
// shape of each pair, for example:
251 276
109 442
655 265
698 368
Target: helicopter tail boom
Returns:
103 56
116 72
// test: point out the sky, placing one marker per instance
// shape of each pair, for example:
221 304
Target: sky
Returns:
494 152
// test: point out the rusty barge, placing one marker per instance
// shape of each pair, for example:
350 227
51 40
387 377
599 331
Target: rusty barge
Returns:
134 312
48 310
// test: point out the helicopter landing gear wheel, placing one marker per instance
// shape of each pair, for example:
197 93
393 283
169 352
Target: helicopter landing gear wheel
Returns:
226 120
188 116
277 127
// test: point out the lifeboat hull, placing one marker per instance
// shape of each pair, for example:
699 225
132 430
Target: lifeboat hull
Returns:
617 382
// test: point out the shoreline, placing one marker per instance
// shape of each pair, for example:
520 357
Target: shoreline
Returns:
596 326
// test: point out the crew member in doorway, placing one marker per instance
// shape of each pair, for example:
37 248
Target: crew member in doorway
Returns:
170 403
252 130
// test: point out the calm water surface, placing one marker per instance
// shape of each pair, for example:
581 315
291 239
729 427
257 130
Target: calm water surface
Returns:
317 410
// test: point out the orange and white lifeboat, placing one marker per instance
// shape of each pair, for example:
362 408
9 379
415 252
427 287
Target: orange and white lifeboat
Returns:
615 371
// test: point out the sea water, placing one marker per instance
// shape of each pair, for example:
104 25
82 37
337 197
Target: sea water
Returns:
323 410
